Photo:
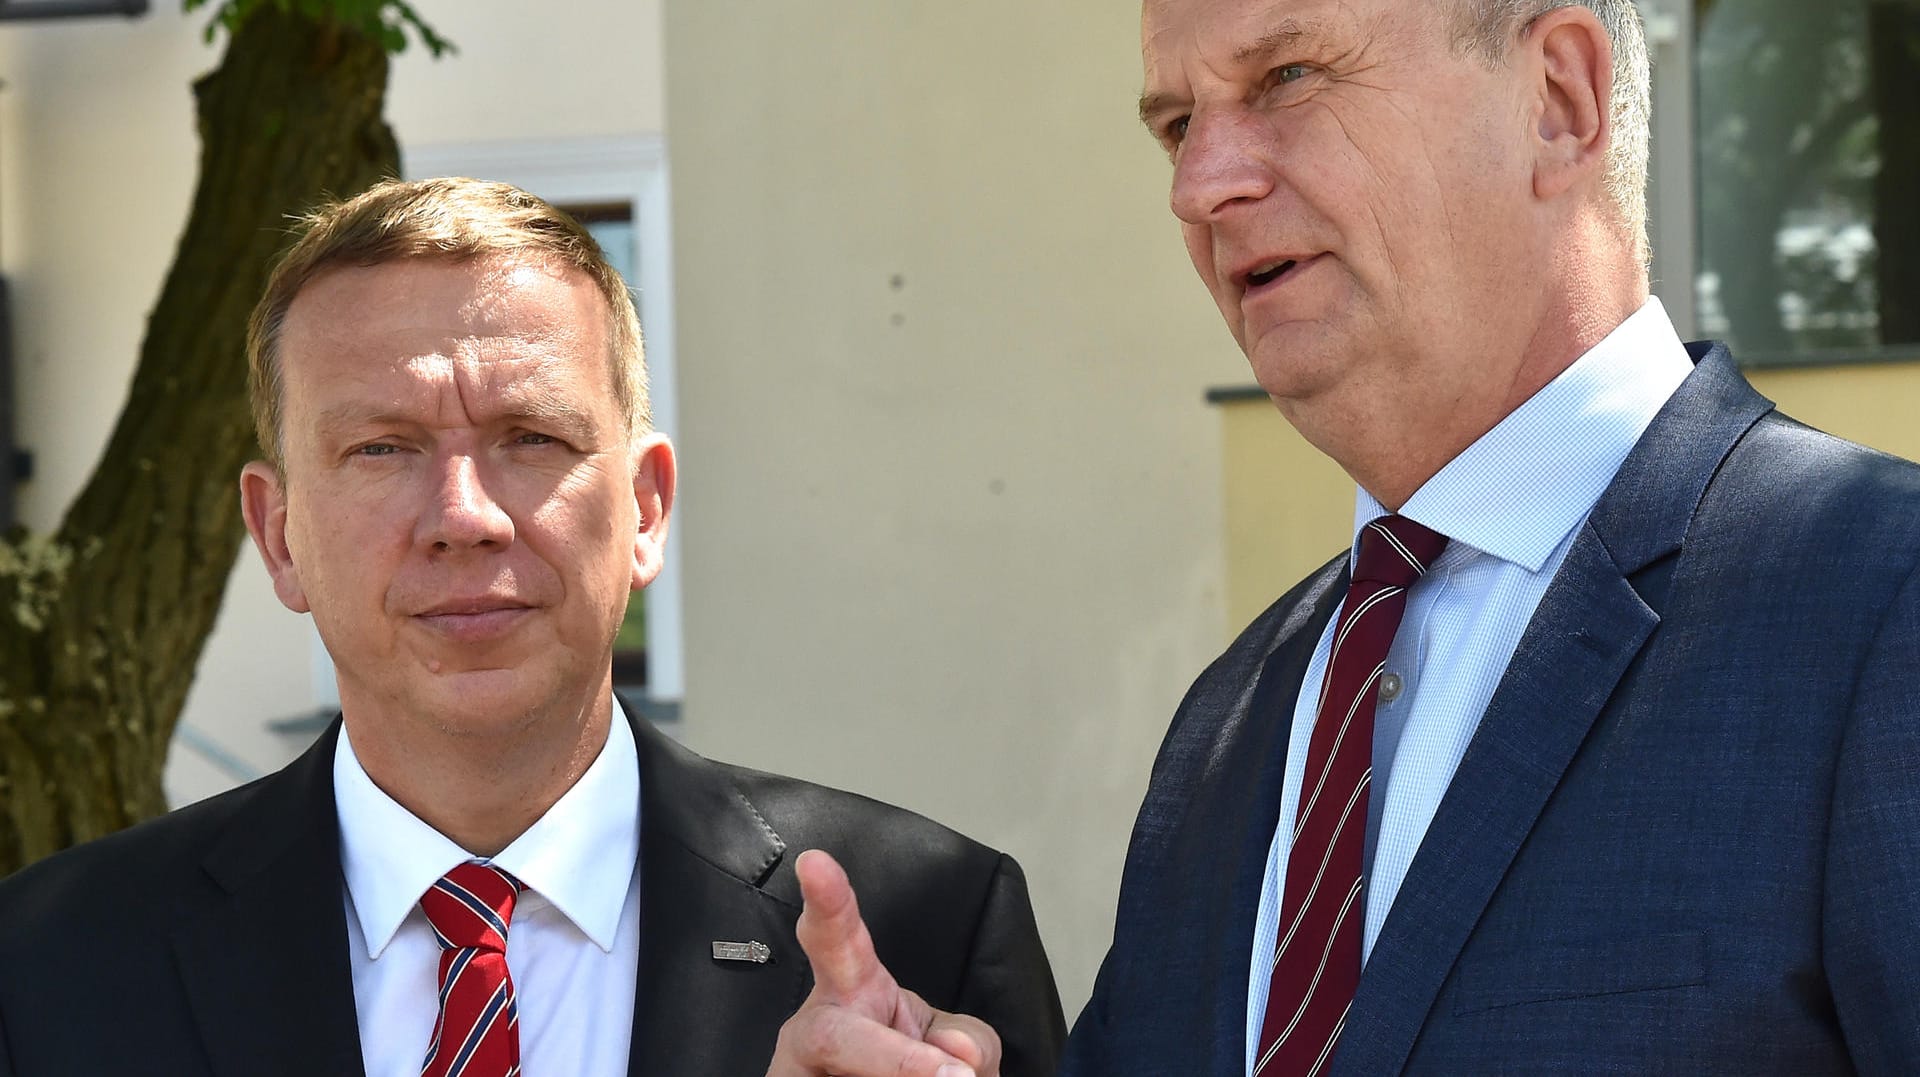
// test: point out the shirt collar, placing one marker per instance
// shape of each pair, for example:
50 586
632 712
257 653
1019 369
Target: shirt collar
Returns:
579 856
1522 488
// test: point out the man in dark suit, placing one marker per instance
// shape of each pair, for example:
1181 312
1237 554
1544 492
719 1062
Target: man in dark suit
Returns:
1600 751
487 859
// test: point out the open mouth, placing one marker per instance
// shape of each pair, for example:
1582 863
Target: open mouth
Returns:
1270 272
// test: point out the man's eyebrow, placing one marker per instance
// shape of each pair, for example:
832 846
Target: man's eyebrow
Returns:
1152 104
1288 35
544 411
536 409
348 416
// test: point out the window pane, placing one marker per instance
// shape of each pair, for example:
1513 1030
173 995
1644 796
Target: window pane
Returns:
612 228
1809 144
615 236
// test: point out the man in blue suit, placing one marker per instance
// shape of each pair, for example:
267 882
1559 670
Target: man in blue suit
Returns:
1600 751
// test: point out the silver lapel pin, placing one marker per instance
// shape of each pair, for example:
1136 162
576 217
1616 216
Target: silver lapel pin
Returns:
756 952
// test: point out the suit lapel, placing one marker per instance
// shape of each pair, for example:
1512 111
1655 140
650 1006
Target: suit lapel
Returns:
1264 753
1184 934
264 956
274 904
704 854
1557 683
1589 627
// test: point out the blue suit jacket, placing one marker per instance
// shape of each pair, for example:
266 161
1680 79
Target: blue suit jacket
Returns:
1685 838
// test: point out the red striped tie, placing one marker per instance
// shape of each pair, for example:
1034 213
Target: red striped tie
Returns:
1317 956
478 1031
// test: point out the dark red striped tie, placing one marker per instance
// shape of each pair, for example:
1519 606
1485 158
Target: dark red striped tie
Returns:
1316 960
478 1031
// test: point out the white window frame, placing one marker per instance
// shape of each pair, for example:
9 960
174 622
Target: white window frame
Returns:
622 170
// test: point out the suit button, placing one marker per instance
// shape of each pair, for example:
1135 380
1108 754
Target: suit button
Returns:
1390 687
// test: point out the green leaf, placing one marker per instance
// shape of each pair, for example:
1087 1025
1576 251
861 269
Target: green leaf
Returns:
386 21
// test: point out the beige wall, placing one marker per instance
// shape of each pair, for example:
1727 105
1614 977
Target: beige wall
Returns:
97 160
1873 405
532 71
951 491
97 164
1287 507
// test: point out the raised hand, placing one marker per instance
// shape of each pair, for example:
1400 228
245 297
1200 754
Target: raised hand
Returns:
858 1022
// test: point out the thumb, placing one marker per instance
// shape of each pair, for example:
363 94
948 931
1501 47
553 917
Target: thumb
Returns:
968 1039
845 967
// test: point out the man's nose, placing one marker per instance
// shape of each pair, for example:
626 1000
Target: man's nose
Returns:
461 512
1225 160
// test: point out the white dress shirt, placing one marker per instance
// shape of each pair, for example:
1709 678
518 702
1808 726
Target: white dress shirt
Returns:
1510 504
573 947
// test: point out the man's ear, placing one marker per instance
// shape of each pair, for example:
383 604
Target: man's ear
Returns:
1572 56
263 502
653 482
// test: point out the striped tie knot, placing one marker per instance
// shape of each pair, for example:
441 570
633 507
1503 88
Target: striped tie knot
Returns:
471 906
477 1033
1396 551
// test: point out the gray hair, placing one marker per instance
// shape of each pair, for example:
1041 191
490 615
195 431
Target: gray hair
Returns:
1488 28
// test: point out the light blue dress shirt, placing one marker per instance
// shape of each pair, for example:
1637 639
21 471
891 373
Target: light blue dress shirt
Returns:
1510 504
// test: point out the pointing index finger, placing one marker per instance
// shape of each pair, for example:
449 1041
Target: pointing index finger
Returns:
845 967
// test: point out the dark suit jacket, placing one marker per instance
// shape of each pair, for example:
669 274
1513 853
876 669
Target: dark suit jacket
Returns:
213 940
1685 838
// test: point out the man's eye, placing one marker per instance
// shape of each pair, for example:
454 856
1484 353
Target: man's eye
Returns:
378 448
531 438
1290 73
1176 131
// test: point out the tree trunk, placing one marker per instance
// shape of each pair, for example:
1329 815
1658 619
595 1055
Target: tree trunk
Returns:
102 623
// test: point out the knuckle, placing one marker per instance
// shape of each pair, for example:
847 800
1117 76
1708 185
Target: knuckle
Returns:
825 1037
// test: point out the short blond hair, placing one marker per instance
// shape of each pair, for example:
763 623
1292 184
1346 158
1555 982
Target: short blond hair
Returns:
455 219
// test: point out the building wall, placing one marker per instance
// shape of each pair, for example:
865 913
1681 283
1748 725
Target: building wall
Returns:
951 489
1875 405
1287 508
97 165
